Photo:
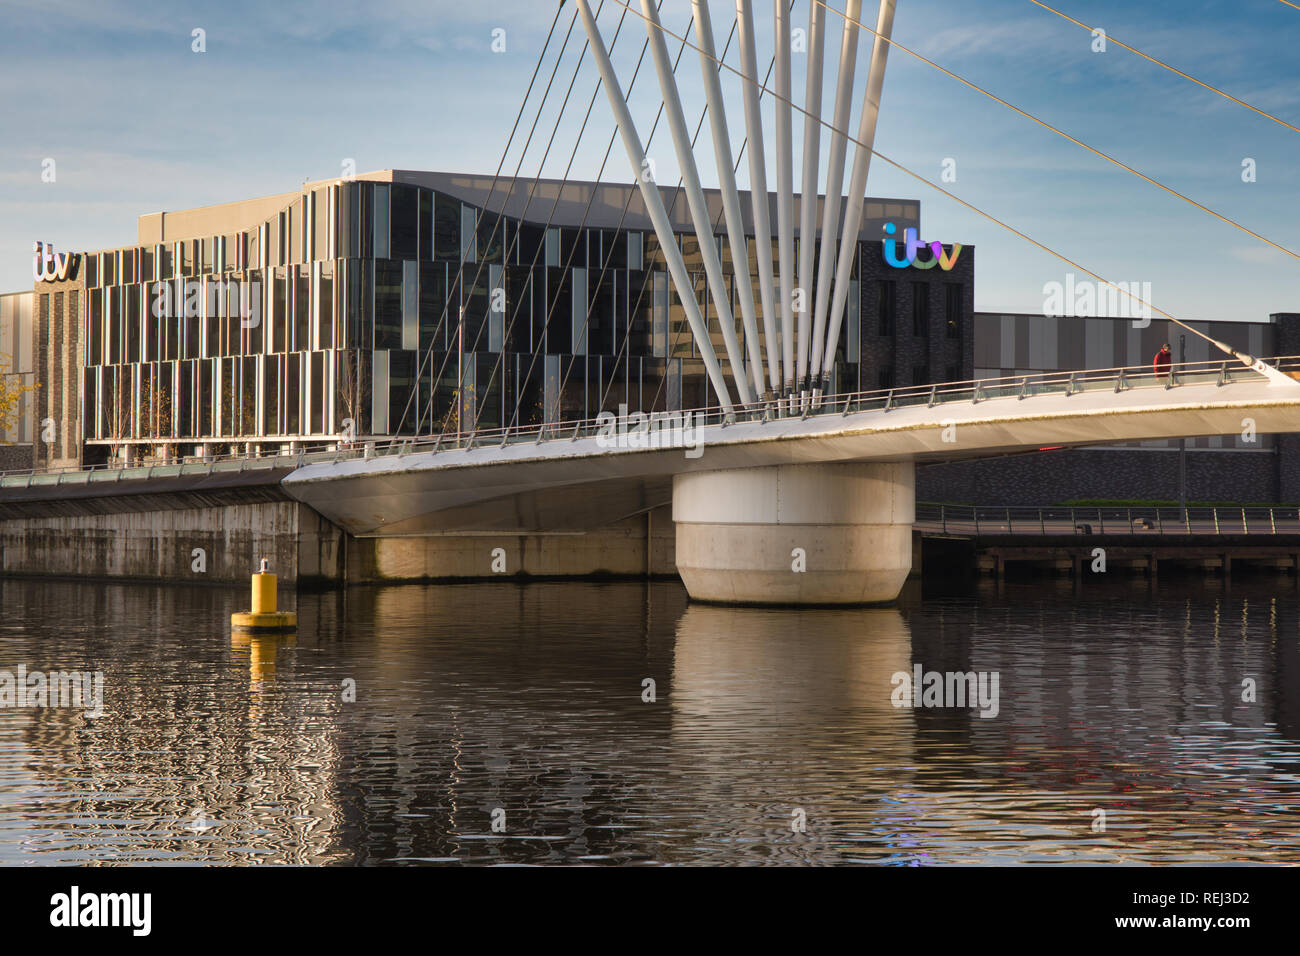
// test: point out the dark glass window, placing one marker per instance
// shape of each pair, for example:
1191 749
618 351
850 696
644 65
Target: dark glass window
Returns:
247 395
401 379
229 369
255 295
920 309
191 313
491 237
573 247
133 330
600 315
920 375
366 221
155 326
433 300
233 311
556 335
953 293
405 222
271 395
316 400
613 249
886 305
349 226
292 392
184 404
426 224
446 227
114 324
212 322
302 309
325 305
279 310
886 378
171 326
366 331
205 397
529 244
519 310
351 319
96 325
476 299
388 304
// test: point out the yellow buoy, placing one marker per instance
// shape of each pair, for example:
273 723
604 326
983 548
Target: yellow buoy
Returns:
264 616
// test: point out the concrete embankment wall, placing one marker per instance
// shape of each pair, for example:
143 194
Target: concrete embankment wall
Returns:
214 544
210 529
216 528
637 546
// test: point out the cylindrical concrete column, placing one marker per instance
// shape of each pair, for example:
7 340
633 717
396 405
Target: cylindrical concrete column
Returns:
796 534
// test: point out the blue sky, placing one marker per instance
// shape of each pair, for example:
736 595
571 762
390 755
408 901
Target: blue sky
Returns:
137 122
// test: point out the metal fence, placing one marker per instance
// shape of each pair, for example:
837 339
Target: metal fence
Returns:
968 520
1020 387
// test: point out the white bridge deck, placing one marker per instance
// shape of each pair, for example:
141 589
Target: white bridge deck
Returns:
569 476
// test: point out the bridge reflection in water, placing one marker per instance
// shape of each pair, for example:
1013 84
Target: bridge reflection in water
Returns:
475 697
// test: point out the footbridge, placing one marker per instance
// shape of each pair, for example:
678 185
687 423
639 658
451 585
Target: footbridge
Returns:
814 508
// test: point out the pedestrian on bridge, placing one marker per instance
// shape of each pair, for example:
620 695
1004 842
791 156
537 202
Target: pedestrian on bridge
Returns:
1164 358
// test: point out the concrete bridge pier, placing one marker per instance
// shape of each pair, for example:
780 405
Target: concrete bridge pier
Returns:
796 534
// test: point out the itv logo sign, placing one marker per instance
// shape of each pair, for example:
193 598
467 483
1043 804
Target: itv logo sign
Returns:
48 265
912 248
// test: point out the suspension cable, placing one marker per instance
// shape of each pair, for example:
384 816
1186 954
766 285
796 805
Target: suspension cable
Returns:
586 213
550 217
459 393
627 205
1058 132
540 106
1187 76
1240 356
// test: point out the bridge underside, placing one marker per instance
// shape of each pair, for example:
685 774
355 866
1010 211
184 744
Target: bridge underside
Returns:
736 536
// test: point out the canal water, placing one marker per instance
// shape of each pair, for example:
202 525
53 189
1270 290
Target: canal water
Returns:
617 723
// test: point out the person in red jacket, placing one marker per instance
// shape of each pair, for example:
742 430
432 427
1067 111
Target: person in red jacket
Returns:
1162 361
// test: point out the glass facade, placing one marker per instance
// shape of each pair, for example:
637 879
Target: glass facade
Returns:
371 309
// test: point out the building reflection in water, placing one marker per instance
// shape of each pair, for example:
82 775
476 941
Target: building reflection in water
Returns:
211 749
529 699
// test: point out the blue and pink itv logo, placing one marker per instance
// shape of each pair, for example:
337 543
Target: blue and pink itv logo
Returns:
913 247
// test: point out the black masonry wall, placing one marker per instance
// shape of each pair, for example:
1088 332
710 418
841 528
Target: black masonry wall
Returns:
1046 478
1266 476
915 348
1286 341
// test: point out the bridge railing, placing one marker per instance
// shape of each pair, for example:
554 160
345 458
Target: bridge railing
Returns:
1160 520
976 390
1021 387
